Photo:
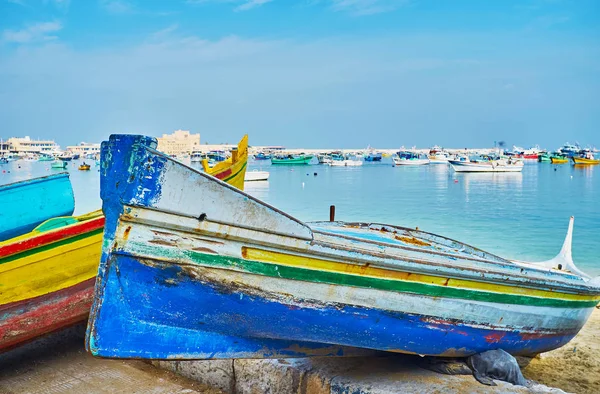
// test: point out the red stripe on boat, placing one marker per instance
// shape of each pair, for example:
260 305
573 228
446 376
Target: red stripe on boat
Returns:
28 319
223 174
51 236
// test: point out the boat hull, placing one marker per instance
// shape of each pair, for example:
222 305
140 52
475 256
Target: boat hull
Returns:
559 160
254 176
193 268
47 279
233 169
294 161
581 160
28 203
464 166
229 304
411 162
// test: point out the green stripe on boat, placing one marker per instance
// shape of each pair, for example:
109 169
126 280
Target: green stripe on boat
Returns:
342 279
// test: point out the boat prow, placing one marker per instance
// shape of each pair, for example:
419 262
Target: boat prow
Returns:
563 261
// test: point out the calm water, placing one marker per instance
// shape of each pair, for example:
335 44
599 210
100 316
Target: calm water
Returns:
518 216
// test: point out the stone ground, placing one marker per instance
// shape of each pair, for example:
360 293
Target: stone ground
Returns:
59 364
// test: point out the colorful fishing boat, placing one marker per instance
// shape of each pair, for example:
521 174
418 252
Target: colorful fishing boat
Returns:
585 157
410 159
58 164
262 156
233 169
193 268
559 159
84 167
26 204
487 164
47 277
291 159
373 156
544 157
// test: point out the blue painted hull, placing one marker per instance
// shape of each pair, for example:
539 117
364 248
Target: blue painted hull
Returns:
168 313
26 204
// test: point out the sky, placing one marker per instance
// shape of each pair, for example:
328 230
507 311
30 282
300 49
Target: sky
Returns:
304 73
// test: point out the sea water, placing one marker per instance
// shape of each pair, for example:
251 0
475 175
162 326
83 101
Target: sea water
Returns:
520 216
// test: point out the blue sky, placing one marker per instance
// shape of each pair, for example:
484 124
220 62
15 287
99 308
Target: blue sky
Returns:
305 73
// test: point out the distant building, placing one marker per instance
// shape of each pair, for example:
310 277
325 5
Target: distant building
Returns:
27 145
84 149
179 143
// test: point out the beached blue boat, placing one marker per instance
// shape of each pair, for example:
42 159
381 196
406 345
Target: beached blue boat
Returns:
193 268
26 204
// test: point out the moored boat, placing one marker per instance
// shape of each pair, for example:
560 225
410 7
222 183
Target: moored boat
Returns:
193 268
255 175
438 155
262 156
58 164
410 159
559 159
26 204
585 157
487 165
47 277
84 167
291 159
373 156
233 169
544 157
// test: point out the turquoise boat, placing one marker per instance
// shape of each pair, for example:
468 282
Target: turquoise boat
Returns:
26 204
46 158
59 164
193 268
291 159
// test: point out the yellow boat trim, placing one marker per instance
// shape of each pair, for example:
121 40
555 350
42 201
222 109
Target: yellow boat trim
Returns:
289 260
50 270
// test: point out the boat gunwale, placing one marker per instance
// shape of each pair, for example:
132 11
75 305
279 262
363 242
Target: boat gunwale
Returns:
33 181
427 268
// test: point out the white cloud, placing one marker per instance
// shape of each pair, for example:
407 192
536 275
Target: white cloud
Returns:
117 6
242 5
251 4
32 33
367 7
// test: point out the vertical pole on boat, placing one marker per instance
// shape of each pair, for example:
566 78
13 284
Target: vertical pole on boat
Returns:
332 213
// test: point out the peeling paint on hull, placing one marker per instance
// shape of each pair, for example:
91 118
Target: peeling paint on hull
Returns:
193 268
47 277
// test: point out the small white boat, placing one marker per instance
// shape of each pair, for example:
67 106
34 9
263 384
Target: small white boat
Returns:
252 176
345 161
410 159
495 165
438 156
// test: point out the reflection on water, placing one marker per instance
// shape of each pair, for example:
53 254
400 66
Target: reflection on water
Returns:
520 216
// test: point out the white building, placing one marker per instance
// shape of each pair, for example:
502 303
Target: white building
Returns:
84 148
179 143
26 145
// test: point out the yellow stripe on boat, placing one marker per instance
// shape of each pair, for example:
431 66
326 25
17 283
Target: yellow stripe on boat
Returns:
50 270
380 273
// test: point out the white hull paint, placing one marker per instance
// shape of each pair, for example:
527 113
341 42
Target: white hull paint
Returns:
252 176
462 166
411 162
